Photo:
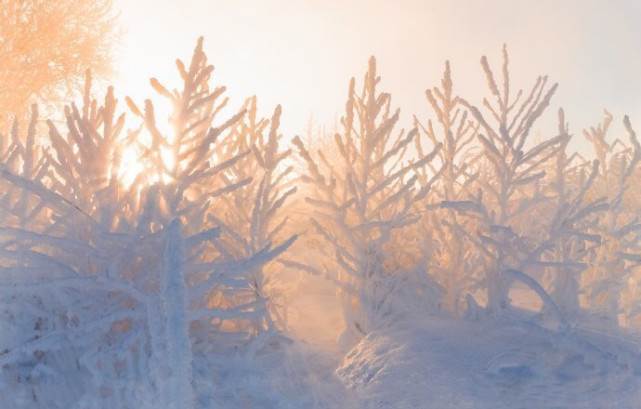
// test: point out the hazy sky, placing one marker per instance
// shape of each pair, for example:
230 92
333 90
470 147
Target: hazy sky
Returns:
301 53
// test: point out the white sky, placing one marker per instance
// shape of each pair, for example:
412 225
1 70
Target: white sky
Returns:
301 53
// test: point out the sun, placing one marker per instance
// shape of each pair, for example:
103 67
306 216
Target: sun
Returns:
142 169
130 165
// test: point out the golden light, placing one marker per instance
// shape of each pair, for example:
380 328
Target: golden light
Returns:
135 162
168 158
130 166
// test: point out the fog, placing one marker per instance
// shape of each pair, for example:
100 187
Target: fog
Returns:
299 53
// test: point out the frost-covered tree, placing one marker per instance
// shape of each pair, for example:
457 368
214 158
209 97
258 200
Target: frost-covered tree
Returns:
583 250
571 218
612 264
114 286
69 294
22 155
453 262
254 214
510 184
359 200
246 160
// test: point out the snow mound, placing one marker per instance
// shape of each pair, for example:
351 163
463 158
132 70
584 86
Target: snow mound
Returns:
446 364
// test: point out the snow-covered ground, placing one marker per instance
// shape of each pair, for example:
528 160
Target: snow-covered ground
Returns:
428 362
491 364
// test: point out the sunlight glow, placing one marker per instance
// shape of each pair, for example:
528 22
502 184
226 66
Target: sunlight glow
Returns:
130 166
134 163
168 158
